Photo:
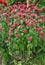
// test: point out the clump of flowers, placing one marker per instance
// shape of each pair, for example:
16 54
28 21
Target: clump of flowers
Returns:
23 27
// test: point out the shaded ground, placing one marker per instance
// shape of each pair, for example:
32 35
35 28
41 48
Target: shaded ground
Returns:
0 60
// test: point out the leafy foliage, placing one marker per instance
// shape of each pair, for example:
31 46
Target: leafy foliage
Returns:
41 3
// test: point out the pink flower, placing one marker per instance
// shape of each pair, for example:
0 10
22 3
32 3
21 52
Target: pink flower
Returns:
43 8
30 39
15 16
15 24
40 21
38 17
23 19
19 13
11 35
27 11
33 15
27 22
22 10
0 30
34 20
15 6
42 16
38 29
23 15
36 9
13 11
17 35
19 3
43 20
25 31
11 29
8 24
30 25
22 26
41 34
1 11
5 14
11 8
9 18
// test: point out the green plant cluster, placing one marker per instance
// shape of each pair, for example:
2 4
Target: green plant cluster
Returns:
41 3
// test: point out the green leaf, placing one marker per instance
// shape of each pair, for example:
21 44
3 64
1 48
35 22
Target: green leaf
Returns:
20 63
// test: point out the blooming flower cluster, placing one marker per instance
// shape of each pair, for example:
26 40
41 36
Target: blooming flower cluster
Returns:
23 25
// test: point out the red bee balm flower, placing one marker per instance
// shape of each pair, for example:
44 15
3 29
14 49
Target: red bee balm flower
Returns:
41 34
8 24
25 31
22 26
3 2
18 36
11 35
38 29
30 39
11 29
0 30
15 24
